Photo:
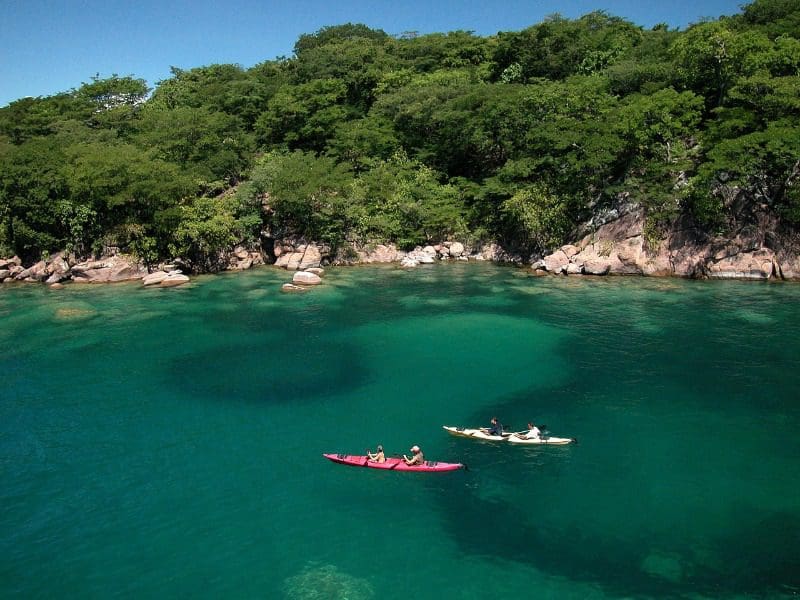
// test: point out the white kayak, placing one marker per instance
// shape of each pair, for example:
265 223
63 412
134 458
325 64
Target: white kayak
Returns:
547 439
478 434
513 438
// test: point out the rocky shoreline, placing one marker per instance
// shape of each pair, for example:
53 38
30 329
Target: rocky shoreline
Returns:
618 247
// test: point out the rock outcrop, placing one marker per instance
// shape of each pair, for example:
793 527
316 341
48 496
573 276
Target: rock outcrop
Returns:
619 247
111 270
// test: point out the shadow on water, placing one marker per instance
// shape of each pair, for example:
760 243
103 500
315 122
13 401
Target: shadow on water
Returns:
748 561
304 370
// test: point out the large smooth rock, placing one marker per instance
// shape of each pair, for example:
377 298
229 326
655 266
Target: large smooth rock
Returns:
290 287
111 270
174 279
456 249
597 266
556 262
312 257
154 278
4 273
306 278
316 271
382 254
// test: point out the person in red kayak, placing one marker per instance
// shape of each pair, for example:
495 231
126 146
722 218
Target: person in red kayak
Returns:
378 457
417 459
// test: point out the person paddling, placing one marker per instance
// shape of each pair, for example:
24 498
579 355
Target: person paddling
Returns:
495 429
533 433
378 457
417 457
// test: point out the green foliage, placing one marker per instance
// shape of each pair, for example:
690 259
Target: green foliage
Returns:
304 193
415 138
208 144
711 56
206 228
536 218
403 201
772 17
559 47
304 116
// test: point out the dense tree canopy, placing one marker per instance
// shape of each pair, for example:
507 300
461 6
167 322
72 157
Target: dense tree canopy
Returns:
364 136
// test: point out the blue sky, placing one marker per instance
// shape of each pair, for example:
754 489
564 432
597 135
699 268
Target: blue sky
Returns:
50 46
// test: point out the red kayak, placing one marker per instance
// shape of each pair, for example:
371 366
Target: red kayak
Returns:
392 464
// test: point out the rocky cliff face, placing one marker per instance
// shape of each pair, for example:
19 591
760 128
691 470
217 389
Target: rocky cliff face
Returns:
757 250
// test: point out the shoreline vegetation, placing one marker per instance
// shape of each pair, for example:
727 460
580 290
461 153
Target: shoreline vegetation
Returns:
587 146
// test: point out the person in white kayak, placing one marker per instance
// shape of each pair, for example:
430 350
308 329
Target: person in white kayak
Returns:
416 459
533 433
495 429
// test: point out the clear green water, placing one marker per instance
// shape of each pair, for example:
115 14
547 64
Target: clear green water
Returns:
168 442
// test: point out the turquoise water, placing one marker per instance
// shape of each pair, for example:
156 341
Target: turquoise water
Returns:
168 442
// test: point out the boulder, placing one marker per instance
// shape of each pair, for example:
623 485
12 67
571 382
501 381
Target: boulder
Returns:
409 261
573 269
556 262
56 286
58 265
174 279
290 287
4 273
7 263
383 254
569 250
303 257
744 265
316 271
37 272
154 278
306 278
312 257
456 249
245 264
111 270
598 266
429 250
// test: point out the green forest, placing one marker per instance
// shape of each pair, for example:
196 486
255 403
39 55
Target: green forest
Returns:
364 137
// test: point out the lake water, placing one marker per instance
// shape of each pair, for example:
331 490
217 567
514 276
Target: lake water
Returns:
168 442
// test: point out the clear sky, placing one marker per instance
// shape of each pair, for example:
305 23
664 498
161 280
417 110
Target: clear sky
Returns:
51 46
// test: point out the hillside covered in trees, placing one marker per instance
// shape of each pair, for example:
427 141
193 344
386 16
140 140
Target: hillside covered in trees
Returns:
365 137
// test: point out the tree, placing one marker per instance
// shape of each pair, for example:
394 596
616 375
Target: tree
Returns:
304 116
710 57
